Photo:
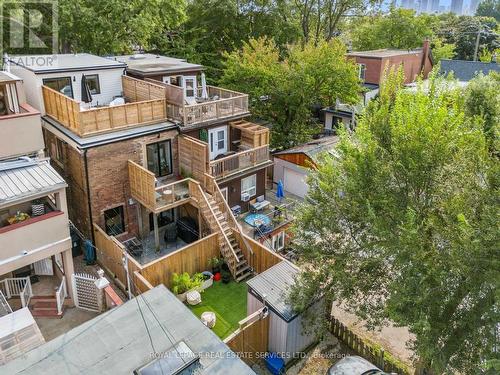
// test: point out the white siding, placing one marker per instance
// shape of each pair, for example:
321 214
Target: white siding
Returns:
109 81
328 120
297 339
277 334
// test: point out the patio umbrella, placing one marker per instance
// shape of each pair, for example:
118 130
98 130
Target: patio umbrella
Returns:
86 95
204 93
280 191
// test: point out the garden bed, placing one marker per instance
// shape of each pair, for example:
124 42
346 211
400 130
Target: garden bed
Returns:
228 302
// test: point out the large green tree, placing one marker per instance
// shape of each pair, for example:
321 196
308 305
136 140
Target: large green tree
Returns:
402 225
116 26
283 91
489 8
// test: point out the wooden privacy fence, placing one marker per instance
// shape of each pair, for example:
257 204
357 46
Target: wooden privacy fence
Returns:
193 157
142 185
235 163
148 105
260 258
250 341
367 350
191 259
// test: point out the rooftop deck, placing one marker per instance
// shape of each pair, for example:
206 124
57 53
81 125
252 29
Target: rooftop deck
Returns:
144 103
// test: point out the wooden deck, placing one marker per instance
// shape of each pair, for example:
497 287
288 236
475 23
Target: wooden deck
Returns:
147 105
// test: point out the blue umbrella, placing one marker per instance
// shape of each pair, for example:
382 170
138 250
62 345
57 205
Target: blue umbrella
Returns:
280 191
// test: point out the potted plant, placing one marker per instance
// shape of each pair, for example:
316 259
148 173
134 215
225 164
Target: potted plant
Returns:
216 264
208 279
225 273
37 207
18 217
183 283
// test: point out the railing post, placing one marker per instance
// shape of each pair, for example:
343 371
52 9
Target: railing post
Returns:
7 288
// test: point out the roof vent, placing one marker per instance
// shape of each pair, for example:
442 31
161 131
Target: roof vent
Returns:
138 56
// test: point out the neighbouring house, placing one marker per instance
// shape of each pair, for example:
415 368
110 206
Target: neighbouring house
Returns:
36 262
290 332
156 165
372 65
153 333
464 70
293 165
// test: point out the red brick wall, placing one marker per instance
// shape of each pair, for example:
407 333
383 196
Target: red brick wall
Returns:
108 175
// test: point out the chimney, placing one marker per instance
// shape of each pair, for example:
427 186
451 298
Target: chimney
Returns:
425 54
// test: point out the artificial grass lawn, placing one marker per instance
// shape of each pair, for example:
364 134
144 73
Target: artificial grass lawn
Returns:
228 302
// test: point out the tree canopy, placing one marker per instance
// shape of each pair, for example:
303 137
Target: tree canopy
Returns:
401 225
284 91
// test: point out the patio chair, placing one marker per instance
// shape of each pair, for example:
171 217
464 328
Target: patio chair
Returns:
259 204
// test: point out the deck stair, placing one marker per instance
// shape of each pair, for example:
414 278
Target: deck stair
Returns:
221 220
44 307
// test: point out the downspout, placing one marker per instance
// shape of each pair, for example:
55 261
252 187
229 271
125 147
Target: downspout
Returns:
88 195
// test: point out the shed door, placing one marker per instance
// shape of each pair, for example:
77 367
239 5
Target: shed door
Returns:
295 182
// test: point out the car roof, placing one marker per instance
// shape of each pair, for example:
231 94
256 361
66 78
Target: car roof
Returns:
352 365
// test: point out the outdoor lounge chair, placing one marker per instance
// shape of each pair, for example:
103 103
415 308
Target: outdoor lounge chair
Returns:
259 204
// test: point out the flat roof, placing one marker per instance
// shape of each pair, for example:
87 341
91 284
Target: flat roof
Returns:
23 178
64 62
117 341
106 138
380 53
275 283
150 64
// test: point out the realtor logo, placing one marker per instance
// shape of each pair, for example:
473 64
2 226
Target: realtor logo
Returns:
29 27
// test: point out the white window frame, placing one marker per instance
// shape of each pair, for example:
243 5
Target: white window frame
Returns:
362 69
185 79
251 190
278 241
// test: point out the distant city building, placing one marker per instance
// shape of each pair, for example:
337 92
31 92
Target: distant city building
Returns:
435 6
424 6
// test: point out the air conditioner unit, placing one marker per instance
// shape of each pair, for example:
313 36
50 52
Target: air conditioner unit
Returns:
245 197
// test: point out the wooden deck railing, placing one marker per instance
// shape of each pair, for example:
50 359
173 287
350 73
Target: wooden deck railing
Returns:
235 163
222 103
86 122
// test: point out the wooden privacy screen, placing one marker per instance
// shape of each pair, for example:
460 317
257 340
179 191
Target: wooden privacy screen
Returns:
142 185
251 340
191 259
137 90
193 157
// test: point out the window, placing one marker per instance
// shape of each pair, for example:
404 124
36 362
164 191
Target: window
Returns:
248 185
114 221
190 87
160 158
279 241
93 83
61 84
362 71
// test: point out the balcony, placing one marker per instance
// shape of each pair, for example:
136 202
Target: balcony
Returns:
24 230
144 104
250 148
144 189
25 127
220 104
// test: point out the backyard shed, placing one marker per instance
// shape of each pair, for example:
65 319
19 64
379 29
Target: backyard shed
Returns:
287 336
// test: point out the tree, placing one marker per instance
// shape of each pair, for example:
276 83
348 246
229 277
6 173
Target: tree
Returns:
284 91
442 50
482 99
320 19
214 27
402 225
489 8
400 29
115 26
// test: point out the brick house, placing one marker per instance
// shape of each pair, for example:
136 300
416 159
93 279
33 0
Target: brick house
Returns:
155 160
372 65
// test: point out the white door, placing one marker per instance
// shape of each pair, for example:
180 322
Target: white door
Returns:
224 193
44 267
295 182
217 139
190 87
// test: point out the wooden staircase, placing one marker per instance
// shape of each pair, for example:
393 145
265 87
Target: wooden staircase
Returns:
44 307
221 220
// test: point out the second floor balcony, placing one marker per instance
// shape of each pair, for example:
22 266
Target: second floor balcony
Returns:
249 148
205 106
138 103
